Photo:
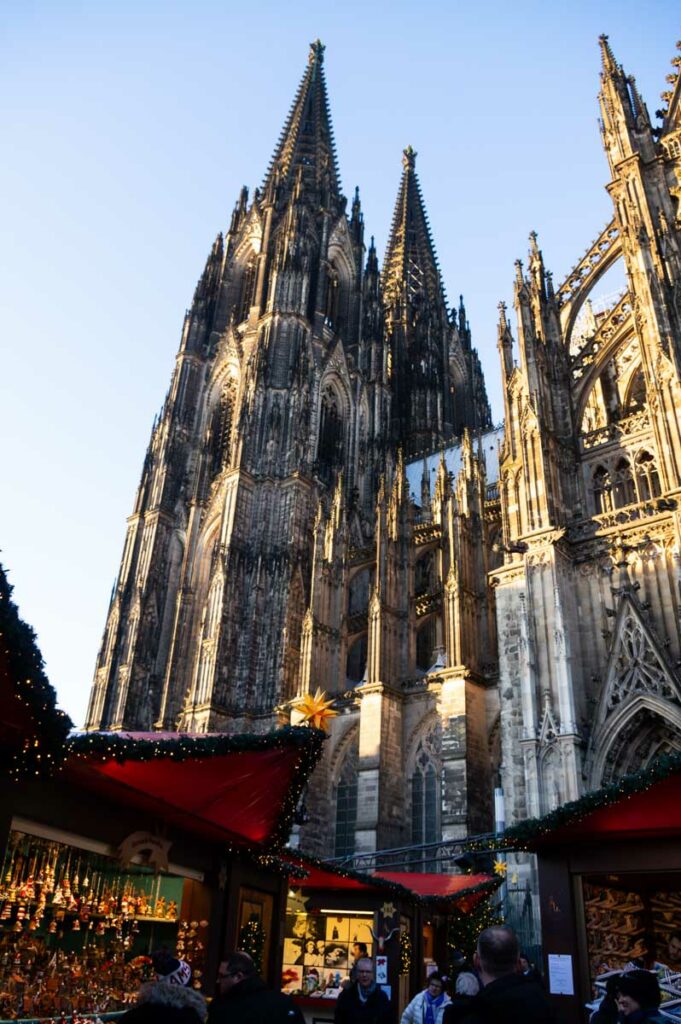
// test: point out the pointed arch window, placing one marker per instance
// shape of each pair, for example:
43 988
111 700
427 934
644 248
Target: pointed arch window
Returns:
647 477
425 801
346 809
247 289
602 490
624 492
330 447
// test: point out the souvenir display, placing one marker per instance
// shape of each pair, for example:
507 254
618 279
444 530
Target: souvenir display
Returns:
76 929
320 950
631 928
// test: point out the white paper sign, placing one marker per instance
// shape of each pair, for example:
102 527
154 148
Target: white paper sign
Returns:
381 969
560 975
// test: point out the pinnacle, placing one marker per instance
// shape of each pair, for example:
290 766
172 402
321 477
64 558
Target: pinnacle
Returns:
316 55
409 158
609 62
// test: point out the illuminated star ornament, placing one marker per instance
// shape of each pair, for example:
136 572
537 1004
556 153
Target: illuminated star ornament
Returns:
388 909
500 867
316 710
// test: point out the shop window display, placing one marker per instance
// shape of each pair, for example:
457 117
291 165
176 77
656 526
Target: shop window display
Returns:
76 929
320 950
634 922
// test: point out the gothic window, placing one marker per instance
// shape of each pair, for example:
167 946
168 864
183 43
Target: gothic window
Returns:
358 595
636 394
602 490
247 289
624 492
330 447
357 660
220 431
346 809
425 794
331 298
425 644
647 478
423 574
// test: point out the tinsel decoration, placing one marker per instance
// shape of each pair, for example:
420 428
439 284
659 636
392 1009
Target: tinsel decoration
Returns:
405 952
33 730
252 940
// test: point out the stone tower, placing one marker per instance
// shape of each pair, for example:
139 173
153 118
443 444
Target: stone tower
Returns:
275 545
588 600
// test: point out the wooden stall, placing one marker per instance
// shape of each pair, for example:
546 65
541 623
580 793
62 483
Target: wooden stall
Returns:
610 886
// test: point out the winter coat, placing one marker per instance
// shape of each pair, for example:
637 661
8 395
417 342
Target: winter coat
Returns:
251 1002
505 1000
351 1010
161 1003
415 1013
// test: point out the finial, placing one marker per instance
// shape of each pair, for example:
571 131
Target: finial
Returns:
316 55
533 241
502 314
409 158
519 271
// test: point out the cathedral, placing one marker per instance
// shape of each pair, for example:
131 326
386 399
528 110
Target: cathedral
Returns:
325 502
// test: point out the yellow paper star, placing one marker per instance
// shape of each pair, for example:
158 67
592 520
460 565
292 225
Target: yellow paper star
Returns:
316 710
388 909
500 867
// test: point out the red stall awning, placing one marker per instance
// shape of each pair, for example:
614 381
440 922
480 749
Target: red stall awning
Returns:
233 788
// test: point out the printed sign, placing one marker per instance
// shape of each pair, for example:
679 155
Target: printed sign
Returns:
381 969
561 982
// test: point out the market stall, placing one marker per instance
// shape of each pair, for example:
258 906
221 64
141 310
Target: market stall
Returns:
114 845
402 920
610 886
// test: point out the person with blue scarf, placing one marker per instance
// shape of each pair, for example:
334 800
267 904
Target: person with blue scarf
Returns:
428 1007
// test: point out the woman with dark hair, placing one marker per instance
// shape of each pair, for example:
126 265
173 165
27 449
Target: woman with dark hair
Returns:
638 998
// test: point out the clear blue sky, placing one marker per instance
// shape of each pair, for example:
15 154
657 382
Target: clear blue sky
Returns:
128 129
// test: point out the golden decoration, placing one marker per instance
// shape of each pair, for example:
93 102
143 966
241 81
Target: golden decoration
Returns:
388 910
316 710
500 867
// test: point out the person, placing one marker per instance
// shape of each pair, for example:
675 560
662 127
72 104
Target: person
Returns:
466 981
428 1007
506 996
607 1011
674 950
363 1002
242 997
359 952
168 999
638 998
528 970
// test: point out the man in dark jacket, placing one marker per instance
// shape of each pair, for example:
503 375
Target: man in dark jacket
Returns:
363 1002
242 997
507 997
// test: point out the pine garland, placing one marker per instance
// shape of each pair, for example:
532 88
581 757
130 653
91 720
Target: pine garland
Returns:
23 679
252 940
524 834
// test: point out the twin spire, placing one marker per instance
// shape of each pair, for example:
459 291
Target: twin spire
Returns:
410 271
305 158
306 145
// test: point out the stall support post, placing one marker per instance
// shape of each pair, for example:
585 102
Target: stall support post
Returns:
559 934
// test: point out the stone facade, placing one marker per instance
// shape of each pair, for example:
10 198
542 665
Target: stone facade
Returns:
324 502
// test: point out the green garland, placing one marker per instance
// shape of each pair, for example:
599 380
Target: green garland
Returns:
23 678
463 930
524 834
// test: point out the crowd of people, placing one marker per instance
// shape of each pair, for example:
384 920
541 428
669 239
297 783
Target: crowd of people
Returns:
500 986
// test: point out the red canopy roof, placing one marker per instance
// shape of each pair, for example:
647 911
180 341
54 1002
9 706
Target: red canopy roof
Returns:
654 812
239 794
460 889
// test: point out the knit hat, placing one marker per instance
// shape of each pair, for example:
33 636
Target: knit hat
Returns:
169 969
642 987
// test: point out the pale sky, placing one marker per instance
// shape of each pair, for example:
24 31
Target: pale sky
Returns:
128 128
